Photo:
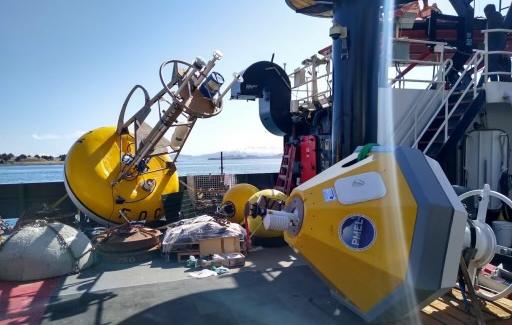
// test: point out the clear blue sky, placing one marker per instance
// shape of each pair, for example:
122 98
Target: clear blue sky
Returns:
66 66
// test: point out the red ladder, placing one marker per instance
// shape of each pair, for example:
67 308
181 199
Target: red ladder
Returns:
284 181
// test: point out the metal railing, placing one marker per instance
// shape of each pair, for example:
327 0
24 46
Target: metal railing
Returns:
435 87
422 103
310 84
486 53
472 65
438 64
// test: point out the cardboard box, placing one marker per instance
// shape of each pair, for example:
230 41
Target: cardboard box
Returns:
214 260
234 260
219 245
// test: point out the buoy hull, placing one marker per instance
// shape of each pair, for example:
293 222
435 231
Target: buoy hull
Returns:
92 166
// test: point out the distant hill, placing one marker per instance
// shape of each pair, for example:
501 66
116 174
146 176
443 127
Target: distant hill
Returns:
232 155
10 159
23 159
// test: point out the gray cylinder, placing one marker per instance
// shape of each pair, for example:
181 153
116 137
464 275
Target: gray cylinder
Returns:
43 250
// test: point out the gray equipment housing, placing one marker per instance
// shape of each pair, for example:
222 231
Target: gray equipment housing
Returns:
486 159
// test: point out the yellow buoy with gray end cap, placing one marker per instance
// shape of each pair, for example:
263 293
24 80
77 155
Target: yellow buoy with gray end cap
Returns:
235 199
385 232
265 199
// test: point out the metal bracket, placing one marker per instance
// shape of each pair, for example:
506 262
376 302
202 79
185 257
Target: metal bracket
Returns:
338 31
475 302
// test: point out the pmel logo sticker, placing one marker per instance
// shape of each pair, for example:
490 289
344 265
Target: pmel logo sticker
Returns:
357 232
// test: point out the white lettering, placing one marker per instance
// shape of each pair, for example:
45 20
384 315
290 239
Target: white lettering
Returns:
357 230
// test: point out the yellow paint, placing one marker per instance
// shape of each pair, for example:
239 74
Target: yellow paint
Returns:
365 277
256 224
92 165
238 195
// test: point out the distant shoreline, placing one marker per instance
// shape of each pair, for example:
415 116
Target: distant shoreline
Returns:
185 159
243 158
27 163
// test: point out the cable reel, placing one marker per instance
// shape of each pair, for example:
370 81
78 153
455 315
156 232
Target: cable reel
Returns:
480 240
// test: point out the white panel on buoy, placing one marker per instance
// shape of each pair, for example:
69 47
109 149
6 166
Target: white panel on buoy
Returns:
360 188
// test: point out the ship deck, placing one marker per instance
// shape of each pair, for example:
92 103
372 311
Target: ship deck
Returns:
275 286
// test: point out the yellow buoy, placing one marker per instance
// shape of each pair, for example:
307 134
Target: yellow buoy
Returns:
92 166
256 223
235 199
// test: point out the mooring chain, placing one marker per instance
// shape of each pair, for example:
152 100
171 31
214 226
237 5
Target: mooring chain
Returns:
14 232
77 259
4 228
63 244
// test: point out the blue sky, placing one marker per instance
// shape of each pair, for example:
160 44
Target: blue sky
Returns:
66 66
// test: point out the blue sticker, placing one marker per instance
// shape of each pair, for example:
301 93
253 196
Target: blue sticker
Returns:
357 232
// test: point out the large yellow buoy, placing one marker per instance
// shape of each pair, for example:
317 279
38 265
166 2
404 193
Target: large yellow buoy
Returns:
115 176
256 223
235 199
92 165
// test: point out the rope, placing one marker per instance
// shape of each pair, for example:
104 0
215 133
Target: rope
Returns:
253 232
59 201
187 186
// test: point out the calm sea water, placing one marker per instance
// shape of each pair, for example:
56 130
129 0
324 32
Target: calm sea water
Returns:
55 173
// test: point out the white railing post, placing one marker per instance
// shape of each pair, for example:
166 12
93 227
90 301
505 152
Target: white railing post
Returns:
446 121
444 75
415 126
475 79
442 60
486 55
420 108
445 107
440 107
476 59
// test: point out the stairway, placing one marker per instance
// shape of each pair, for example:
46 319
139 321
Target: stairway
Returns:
464 109
284 181
455 113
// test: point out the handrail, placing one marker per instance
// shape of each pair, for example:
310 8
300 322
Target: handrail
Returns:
315 85
411 66
325 75
417 41
437 62
494 30
474 61
440 75
421 62
486 33
323 92
414 129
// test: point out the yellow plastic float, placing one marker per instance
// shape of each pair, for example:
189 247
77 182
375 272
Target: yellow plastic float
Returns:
235 200
256 223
